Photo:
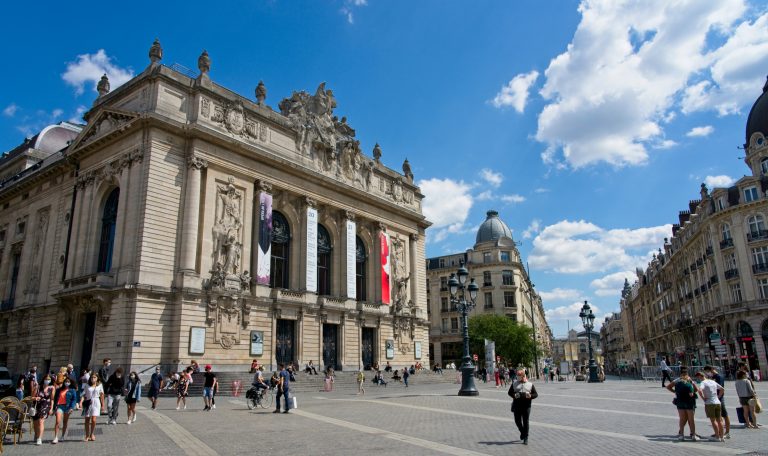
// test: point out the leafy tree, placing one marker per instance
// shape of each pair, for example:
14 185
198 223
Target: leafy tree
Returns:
514 342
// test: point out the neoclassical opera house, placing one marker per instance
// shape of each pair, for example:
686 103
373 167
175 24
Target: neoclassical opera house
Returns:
185 221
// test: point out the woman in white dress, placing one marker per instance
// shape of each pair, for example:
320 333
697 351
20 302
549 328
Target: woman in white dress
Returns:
92 404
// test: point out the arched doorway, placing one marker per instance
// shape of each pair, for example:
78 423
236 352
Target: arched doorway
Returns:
745 337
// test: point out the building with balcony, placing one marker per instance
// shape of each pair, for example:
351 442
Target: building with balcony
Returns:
708 286
574 350
615 355
505 289
186 221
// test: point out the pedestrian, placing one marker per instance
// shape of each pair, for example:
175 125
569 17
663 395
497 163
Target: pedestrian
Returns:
208 386
84 380
43 408
182 391
30 382
522 393
685 400
746 391
328 382
155 386
360 382
132 395
283 388
406 374
546 374
104 371
497 377
20 388
666 372
713 373
254 366
65 401
114 389
710 391
194 366
92 403
310 368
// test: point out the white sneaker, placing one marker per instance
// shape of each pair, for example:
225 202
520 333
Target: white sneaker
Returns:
178 407
39 442
214 406
134 419
128 422
680 437
694 438
55 440
185 406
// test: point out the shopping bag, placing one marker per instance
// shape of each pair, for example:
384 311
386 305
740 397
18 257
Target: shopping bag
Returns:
740 415
755 404
294 404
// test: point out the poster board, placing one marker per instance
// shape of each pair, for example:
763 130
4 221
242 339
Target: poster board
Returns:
257 343
196 340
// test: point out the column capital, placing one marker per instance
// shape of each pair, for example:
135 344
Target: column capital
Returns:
263 186
381 227
349 215
198 163
415 237
310 202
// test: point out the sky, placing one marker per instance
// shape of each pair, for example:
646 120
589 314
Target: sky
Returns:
587 125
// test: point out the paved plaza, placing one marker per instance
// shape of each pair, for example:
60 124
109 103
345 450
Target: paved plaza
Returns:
574 418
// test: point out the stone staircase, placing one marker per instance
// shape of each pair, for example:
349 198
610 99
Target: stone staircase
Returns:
343 381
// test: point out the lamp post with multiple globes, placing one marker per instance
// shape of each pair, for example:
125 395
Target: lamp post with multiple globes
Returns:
457 284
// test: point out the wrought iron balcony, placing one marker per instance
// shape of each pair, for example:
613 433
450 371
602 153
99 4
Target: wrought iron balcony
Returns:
726 243
709 251
731 273
757 235
760 268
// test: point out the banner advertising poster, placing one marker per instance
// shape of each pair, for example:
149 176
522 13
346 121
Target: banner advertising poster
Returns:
351 260
265 238
385 268
490 355
312 249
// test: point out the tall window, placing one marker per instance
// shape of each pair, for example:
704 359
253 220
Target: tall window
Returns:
750 194
764 166
108 224
736 293
487 279
730 262
15 266
509 299
726 230
488 301
756 224
445 324
507 277
443 283
324 250
360 269
454 323
444 304
487 257
721 203
505 256
281 243
762 286
760 256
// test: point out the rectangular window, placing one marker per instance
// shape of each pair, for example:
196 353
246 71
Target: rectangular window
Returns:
509 299
721 203
762 286
487 279
508 277
445 324
505 256
15 266
443 283
454 323
730 261
444 304
760 256
750 194
736 293
20 227
488 301
442 262
487 257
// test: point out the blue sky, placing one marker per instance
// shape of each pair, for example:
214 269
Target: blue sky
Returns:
587 125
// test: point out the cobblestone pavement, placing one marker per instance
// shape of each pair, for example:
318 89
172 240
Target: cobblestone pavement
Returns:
614 417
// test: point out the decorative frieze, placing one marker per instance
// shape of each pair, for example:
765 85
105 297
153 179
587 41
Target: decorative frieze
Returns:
109 170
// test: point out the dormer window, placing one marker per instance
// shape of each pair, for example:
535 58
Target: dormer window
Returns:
750 194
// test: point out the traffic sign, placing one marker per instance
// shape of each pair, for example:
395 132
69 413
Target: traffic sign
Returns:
475 357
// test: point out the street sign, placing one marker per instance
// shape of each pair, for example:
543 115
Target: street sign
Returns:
475 357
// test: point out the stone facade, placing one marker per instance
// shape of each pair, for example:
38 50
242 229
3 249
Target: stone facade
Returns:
574 349
505 289
141 239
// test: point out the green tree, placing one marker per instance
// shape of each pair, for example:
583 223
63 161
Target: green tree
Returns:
514 342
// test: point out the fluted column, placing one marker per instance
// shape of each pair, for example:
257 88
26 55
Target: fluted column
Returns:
190 228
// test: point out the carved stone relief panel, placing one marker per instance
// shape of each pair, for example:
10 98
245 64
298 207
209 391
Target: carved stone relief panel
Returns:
228 315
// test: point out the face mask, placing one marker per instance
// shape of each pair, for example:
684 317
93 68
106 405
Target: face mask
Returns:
119 376
66 384
46 382
133 377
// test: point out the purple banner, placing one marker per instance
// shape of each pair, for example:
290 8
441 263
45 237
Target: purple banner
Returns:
265 238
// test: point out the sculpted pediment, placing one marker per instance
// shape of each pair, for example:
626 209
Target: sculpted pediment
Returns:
105 123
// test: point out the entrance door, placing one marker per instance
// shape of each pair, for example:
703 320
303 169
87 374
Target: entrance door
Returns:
285 337
330 344
89 330
368 344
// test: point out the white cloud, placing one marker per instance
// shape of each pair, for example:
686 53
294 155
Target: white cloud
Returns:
348 9
612 284
446 204
41 119
512 198
630 65
719 181
582 247
705 130
89 68
77 117
664 144
541 190
10 110
515 93
493 178
569 312
560 294
532 229
485 196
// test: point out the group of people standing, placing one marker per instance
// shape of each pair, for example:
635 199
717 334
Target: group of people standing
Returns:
709 386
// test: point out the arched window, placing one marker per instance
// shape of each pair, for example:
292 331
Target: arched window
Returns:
281 243
764 165
108 224
726 230
756 225
360 269
582 348
744 329
324 249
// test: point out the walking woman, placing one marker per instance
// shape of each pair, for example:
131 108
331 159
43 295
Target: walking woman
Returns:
522 393
685 399
65 400
132 395
43 408
746 391
182 391
92 403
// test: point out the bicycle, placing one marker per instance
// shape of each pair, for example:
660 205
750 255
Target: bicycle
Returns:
259 398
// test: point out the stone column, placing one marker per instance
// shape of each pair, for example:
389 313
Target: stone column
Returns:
299 339
190 226
342 346
88 223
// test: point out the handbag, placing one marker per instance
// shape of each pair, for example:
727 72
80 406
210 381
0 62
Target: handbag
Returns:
674 401
755 404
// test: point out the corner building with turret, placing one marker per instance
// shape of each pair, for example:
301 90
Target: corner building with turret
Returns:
184 221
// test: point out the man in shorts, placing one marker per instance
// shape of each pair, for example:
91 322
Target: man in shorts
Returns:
208 387
713 373
710 391
155 386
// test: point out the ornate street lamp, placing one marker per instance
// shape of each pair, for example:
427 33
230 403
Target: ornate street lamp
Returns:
456 284
588 320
